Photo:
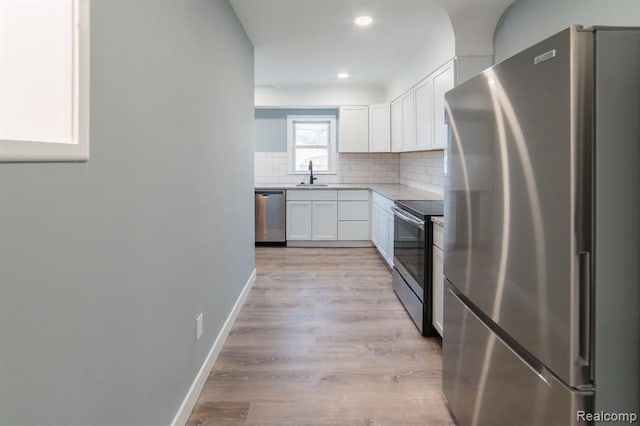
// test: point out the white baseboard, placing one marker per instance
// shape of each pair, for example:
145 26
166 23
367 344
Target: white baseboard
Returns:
190 400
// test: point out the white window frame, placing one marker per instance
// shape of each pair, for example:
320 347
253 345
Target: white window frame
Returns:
291 119
77 149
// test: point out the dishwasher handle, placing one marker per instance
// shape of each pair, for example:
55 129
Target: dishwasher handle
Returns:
266 194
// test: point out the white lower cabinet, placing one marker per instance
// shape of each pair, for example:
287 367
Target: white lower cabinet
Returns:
375 211
353 215
438 282
299 220
324 220
383 233
328 215
312 215
382 226
353 230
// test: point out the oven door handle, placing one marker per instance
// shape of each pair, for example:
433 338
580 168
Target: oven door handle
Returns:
405 217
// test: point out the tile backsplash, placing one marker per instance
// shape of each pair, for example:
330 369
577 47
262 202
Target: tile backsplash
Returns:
424 170
272 167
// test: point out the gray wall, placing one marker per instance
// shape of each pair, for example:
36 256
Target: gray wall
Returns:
270 131
105 265
527 22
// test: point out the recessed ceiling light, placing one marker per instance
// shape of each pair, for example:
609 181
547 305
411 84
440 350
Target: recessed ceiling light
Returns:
343 75
363 21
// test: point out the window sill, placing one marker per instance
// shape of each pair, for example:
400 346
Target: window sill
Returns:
23 151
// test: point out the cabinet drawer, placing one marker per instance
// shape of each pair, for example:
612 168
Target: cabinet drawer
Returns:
438 236
353 210
353 194
353 230
312 195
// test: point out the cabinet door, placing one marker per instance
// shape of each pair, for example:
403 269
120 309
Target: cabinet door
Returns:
390 236
409 121
383 234
424 115
396 125
353 210
443 81
354 230
374 224
438 290
354 129
325 220
298 220
380 128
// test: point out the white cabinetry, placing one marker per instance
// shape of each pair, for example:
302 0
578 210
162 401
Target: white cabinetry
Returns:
312 215
354 129
353 215
328 215
396 125
379 128
438 279
298 220
418 116
443 81
382 226
324 220
424 115
409 121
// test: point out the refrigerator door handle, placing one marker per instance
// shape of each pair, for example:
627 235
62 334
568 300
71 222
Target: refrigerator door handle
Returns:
584 348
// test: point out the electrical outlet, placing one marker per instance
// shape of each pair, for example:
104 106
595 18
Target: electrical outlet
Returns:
199 326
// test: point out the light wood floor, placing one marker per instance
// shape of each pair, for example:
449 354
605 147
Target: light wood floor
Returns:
322 339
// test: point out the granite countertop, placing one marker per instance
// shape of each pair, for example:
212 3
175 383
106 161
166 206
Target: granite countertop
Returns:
392 191
313 187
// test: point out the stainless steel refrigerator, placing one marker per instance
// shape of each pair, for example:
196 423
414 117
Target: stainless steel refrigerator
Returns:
542 239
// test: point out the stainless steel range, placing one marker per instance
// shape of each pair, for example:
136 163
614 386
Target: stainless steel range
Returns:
412 242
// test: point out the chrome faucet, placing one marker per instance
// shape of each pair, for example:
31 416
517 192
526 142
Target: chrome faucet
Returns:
311 178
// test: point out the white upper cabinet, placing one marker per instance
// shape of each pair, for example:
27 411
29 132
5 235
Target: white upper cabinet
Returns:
380 128
354 129
418 116
409 121
443 81
414 121
396 125
424 114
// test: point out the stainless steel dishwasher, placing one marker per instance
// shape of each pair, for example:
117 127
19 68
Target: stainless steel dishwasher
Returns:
270 216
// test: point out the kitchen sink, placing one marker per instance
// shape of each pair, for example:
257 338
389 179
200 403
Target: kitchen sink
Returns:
312 185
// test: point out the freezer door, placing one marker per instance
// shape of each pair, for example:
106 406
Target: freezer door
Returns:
487 383
517 241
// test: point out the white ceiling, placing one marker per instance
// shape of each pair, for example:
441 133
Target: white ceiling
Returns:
307 42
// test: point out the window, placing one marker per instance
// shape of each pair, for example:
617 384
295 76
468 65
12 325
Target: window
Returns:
44 80
311 138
